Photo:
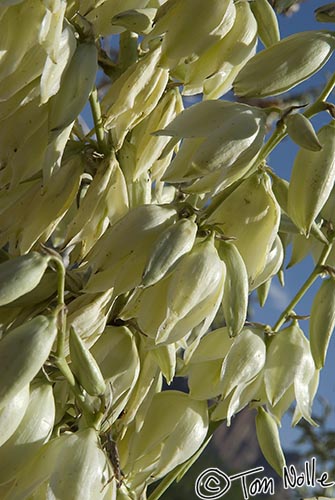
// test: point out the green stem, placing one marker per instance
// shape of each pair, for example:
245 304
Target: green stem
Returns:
61 305
64 368
61 281
59 358
280 131
165 484
318 105
86 409
97 119
301 292
99 416
216 201
78 132
269 146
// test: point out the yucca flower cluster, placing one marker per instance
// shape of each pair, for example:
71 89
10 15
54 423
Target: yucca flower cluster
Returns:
129 252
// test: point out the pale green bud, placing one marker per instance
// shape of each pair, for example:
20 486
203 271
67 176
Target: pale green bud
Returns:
306 383
312 180
164 193
171 245
284 354
301 131
200 318
20 275
243 362
84 366
61 390
22 164
322 321
22 353
191 341
16 74
280 189
268 439
285 64
204 380
137 307
46 288
235 295
119 362
268 29
75 88
328 210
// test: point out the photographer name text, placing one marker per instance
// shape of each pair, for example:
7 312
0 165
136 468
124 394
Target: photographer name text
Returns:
213 483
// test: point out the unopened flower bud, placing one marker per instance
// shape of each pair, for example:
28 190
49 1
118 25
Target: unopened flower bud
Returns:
285 64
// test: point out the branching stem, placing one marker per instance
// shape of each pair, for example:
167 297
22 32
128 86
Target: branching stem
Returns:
60 358
306 285
280 131
97 119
